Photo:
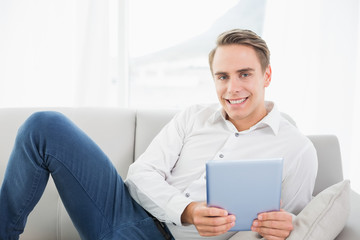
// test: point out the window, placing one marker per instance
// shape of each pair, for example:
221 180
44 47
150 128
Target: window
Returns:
169 42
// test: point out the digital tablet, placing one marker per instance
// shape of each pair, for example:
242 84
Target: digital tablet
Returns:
244 188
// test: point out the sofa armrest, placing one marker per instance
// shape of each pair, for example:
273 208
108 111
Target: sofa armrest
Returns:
352 228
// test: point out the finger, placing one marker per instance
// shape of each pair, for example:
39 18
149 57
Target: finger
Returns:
205 211
214 221
285 225
263 231
211 221
275 215
215 212
205 230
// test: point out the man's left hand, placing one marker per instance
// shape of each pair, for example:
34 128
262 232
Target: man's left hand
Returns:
273 225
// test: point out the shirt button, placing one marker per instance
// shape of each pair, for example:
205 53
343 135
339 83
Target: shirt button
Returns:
237 134
221 155
187 194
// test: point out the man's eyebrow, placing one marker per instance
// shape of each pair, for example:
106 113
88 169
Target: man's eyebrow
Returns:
245 70
238 71
220 73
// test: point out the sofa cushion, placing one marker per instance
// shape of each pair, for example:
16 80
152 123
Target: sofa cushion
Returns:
325 216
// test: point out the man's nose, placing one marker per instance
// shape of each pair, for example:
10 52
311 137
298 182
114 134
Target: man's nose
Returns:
234 85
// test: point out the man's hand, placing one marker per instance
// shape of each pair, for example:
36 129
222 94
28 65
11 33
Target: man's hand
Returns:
273 225
209 221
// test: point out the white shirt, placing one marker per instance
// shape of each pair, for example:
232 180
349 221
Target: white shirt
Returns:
171 172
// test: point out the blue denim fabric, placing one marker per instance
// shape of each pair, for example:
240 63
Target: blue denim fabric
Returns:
93 193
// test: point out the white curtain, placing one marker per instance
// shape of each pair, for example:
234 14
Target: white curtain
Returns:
315 61
65 53
56 53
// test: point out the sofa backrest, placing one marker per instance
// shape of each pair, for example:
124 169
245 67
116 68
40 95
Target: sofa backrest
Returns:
123 134
329 161
148 125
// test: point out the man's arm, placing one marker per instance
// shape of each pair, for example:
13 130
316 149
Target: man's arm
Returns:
209 221
146 179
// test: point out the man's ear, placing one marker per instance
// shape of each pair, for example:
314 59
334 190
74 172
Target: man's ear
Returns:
267 76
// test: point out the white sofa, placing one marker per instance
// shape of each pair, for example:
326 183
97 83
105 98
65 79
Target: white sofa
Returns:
124 134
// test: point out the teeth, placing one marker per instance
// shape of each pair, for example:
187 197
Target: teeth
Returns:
237 101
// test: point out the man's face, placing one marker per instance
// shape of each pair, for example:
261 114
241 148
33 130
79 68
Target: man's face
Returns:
240 84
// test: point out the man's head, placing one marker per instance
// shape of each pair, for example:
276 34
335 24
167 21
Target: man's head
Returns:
243 37
241 71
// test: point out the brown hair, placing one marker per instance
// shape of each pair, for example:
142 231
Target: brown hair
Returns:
243 37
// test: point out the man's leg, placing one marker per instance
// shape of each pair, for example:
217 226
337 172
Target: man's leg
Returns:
92 192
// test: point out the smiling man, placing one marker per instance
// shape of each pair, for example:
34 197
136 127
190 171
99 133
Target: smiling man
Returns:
245 126
164 195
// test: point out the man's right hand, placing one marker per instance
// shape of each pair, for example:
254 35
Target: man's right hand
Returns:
209 221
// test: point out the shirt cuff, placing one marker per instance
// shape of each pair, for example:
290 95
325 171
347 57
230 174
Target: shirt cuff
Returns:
176 207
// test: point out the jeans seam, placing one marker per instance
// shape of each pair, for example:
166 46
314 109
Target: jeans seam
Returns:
92 200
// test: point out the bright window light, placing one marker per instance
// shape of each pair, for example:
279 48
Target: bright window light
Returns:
169 42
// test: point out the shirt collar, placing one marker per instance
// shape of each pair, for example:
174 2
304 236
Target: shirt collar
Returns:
219 115
272 119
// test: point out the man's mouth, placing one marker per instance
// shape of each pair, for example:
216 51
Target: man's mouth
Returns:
236 101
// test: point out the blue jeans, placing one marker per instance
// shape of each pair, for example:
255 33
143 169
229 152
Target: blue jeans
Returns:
93 193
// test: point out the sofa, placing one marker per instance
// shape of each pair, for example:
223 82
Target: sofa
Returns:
124 134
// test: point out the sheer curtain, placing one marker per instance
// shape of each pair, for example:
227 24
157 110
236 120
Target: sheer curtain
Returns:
58 53
73 53
169 46
315 61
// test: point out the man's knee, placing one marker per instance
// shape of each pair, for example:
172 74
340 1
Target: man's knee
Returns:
43 123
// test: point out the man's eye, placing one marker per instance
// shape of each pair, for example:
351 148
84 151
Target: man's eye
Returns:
244 75
222 77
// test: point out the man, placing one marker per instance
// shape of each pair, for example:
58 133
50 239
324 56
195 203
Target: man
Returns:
167 182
